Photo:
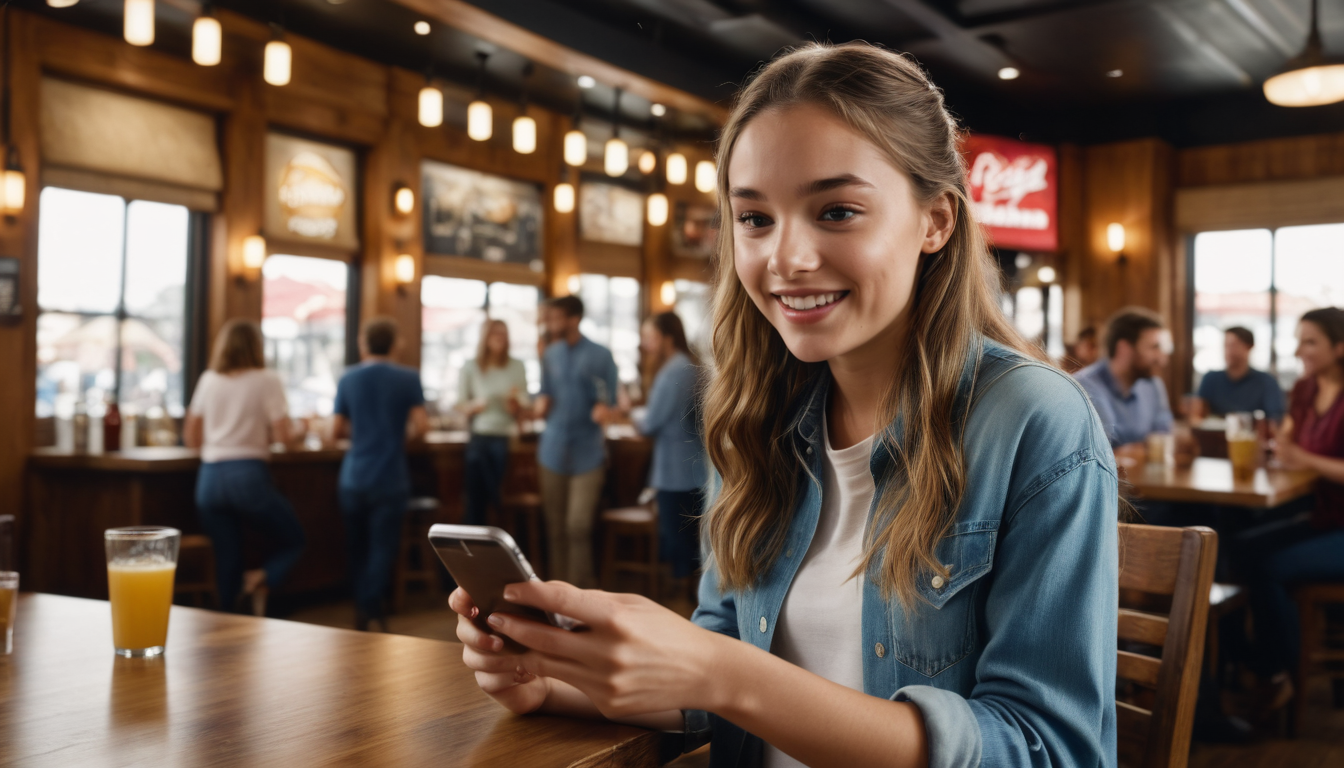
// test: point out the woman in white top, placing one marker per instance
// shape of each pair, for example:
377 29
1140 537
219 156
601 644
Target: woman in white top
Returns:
237 411
491 391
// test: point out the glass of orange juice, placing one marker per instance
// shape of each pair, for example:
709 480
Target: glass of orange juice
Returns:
141 563
9 603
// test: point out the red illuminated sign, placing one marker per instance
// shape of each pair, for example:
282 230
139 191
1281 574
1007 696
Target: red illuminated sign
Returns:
1014 191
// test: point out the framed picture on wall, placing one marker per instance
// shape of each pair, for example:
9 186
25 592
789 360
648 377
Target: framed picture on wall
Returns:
610 214
310 192
694 230
479 216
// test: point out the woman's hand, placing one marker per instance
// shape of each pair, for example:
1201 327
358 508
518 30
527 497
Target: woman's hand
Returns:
498 672
1291 455
631 657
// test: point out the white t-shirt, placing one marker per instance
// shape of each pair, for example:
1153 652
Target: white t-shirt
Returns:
820 624
238 409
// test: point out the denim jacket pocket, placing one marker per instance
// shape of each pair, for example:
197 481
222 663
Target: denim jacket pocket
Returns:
941 629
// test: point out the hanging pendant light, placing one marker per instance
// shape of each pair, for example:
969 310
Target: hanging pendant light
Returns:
524 126
431 104
61 3
657 209
207 38
138 23
648 162
616 159
1310 79
480 117
564 197
676 168
576 141
279 58
705 176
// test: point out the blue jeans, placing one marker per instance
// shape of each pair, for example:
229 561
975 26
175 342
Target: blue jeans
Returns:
1277 558
231 494
679 530
486 461
373 521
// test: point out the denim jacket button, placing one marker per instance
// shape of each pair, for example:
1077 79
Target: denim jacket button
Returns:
809 450
938 582
763 625
880 650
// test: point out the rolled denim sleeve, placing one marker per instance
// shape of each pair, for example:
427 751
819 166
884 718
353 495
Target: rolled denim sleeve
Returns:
950 724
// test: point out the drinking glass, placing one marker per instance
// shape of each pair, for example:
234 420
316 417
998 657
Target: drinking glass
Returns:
141 564
1159 447
9 604
1243 445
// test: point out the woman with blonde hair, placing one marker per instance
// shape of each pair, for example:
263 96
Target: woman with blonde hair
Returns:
237 411
912 538
491 390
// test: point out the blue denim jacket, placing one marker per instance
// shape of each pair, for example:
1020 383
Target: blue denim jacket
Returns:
1011 660
678 454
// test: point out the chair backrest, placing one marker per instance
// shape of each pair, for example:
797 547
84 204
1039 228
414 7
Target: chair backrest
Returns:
1176 563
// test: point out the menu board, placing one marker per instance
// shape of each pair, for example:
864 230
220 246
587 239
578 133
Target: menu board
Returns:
310 192
1014 191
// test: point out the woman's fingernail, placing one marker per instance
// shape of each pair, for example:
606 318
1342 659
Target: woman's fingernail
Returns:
510 593
495 620
475 611
496 644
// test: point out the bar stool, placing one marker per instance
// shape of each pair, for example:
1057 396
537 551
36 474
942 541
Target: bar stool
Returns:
520 505
196 571
416 561
1317 657
639 524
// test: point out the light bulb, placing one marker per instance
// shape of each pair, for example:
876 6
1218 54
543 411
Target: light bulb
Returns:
404 200
576 147
1009 73
207 41
431 107
524 135
422 27
647 162
254 251
405 268
676 168
658 110
705 176
279 57
1115 237
12 192
564 197
657 211
668 293
1046 275
617 158
480 121
139 22
586 81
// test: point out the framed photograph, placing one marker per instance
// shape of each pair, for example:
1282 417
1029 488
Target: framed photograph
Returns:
479 216
694 230
610 214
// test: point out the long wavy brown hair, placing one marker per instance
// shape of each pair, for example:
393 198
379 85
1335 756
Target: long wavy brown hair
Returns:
758 383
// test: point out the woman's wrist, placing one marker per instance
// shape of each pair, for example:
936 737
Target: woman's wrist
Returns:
725 666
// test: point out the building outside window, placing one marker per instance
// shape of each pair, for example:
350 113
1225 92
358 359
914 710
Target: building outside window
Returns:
611 318
692 306
303 320
453 310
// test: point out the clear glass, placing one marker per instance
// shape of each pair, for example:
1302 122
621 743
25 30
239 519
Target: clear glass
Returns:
9 606
1309 274
1243 445
152 338
303 321
452 312
79 246
1232 282
141 564
611 318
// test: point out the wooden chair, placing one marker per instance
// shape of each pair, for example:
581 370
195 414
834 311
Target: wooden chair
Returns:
520 503
1162 561
640 525
1316 658
417 561
196 571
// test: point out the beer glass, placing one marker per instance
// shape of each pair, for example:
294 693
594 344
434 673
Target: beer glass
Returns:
141 563
1243 445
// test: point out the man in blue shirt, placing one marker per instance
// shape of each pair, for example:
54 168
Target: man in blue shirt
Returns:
1241 388
578 384
375 402
1124 387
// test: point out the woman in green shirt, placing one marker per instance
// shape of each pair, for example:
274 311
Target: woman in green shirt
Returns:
491 391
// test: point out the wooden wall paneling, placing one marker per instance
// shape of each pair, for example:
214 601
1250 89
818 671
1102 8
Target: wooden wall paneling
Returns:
332 94
235 291
387 235
562 241
1299 157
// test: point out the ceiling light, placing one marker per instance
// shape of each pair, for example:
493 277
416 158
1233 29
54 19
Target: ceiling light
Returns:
586 81
616 159
647 162
1309 79
658 110
480 117
1009 73
61 3
422 27
524 135
1046 275
576 147
657 211
207 39
138 24
564 197
279 61
676 168
705 176
1115 73
431 106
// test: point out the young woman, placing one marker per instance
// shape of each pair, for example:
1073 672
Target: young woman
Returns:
678 472
491 390
237 411
1312 437
913 538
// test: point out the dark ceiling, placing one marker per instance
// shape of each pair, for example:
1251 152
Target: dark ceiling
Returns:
1188 71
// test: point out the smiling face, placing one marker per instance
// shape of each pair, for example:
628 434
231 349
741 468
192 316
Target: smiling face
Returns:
1314 349
827 233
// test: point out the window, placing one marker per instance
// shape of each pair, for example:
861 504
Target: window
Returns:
111 292
611 318
453 311
692 306
1263 280
303 320
1038 314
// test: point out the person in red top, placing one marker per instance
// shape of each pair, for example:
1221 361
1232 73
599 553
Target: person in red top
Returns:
1311 549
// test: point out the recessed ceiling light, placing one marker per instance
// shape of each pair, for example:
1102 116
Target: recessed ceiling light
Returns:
1009 73
658 110
1115 73
422 27
586 81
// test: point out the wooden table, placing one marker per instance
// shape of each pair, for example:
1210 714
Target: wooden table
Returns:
235 690
1210 481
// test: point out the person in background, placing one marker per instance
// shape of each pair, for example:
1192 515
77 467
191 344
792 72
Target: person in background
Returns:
379 405
578 384
492 391
1307 548
1241 388
1124 387
672 420
1084 351
236 412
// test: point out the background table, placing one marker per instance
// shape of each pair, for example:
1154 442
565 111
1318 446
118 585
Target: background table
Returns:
236 690
1210 481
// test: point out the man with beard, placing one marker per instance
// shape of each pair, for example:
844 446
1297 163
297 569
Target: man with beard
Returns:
1124 386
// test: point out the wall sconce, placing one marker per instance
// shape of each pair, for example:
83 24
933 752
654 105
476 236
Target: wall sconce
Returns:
564 197
1115 239
138 22
404 270
207 38
668 293
705 176
575 285
254 256
403 199
14 185
657 209
1046 275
